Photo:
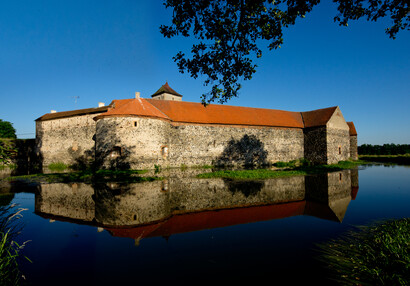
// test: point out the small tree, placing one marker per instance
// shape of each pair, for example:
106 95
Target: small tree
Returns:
7 130
7 148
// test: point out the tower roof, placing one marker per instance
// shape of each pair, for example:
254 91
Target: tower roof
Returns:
166 89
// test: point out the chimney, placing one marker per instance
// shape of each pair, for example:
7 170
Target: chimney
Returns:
101 104
137 94
53 111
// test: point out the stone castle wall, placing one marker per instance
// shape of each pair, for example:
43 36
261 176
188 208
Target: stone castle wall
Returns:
228 145
338 145
144 142
131 142
141 142
338 139
315 144
353 148
66 140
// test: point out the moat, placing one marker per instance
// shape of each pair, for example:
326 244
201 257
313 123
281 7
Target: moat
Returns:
187 230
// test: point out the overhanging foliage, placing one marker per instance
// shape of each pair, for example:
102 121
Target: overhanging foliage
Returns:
227 32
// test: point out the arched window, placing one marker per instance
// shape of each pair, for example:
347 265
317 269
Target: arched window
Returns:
164 151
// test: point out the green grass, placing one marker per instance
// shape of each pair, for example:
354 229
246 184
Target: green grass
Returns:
10 251
89 176
267 173
57 167
392 159
372 255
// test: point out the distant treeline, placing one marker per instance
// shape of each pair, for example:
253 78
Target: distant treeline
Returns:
385 149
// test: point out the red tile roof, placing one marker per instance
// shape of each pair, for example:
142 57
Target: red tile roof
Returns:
190 112
317 117
196 113
132 107
352 129
63 114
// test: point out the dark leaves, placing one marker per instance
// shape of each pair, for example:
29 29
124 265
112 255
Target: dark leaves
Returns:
372 10
228 32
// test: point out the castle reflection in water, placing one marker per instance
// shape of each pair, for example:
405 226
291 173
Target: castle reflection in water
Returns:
184 204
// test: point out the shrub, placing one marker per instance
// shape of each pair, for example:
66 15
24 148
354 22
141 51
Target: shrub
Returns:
8 151
157 169
58 166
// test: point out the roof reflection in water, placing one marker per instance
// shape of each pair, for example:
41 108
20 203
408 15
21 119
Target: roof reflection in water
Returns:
178 205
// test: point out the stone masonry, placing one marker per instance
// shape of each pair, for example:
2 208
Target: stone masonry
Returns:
138 133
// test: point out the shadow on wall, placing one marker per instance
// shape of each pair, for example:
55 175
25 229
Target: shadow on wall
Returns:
113 158
111 152
82 160
248 151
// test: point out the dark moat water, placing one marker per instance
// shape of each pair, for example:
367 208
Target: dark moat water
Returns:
184 230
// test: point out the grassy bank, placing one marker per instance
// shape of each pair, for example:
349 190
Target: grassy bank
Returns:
393 159
88 176
286 172
372 255
10 251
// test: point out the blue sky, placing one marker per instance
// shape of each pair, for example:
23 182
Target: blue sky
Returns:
53 51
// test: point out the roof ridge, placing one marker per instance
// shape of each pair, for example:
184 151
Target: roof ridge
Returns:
303 120
146 99
225 105
75 112
320 109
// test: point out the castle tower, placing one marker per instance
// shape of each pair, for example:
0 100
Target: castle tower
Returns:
166 93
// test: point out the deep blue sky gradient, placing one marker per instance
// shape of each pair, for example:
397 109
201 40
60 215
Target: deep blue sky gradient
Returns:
51 51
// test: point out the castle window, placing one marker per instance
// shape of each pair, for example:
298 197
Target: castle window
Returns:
164 151
135 124
340 176
340 150
116 152
165 186
75 146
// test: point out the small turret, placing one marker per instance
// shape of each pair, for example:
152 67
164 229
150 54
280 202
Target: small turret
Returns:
167 93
